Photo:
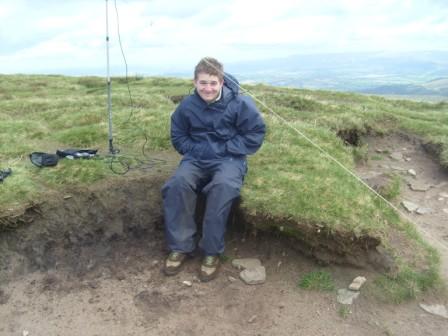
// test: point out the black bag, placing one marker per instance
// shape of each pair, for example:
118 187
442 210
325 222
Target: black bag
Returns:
40 159
4 173
76 153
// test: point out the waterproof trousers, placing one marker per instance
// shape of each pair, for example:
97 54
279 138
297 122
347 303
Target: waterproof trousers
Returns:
220 181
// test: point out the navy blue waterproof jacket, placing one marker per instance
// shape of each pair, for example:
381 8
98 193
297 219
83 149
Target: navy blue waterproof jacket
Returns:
229 127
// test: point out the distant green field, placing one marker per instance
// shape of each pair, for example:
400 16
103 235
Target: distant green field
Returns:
289 178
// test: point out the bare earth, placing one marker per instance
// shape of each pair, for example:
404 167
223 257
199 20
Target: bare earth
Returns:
121 291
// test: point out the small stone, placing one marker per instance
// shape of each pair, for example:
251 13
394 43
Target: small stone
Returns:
445 211
357 283
396 156
440 199
346 296
279 264
439 310
67 197
252 319
254 276
231 278
245 263
380 150
25 333
423 211
409 206
412 172
187 283
155 263
415 186
397 168
443 194
407 159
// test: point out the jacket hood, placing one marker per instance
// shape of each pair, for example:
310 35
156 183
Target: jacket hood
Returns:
231 83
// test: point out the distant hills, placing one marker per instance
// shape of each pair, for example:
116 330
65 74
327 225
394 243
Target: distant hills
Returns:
407 73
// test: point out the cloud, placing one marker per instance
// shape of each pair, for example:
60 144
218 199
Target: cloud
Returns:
165 34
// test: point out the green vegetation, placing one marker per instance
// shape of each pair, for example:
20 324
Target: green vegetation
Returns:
344 311
392 190
290 179
317 280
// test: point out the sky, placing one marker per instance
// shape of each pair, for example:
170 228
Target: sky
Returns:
159 36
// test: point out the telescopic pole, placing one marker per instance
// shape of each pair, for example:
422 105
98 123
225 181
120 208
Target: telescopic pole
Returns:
109 98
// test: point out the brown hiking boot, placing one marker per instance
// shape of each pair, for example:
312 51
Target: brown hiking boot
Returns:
174 262
209 268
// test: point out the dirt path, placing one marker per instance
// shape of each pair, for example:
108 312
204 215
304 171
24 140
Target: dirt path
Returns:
124 293
427 188
117 288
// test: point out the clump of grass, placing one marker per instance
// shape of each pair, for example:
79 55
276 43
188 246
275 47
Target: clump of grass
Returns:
360 153
376 157
317 280
393 189
409 283
344 311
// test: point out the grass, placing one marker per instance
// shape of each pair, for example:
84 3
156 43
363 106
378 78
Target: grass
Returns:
317 280
393 189
289 178
344 311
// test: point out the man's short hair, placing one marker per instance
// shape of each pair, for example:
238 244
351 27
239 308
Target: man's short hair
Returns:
210 66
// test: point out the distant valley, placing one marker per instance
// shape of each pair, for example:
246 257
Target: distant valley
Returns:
422 74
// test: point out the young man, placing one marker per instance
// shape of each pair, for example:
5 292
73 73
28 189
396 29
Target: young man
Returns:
214 129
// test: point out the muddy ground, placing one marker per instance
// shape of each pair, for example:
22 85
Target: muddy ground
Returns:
107 280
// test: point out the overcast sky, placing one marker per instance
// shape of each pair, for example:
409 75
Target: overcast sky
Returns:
59 36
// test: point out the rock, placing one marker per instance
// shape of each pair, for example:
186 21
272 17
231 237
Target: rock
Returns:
245 263
25 333
407 159
396 156
187 283
445 211
357 283
252 319
443 194
231 278
254 276
346 296
412 172
409 206
415 186
397 168
440 199
423 211
379 150
439 310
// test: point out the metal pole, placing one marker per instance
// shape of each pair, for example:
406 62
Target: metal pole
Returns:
109 97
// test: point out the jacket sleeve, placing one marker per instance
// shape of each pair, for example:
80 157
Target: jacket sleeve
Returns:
250 130
180 135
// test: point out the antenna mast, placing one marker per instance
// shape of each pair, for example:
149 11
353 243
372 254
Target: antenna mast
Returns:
109 84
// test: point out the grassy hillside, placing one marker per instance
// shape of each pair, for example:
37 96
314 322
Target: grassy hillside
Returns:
290 181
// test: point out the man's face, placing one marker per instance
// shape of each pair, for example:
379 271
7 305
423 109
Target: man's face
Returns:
208 86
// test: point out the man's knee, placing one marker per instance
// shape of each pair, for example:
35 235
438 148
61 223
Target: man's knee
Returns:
179 181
